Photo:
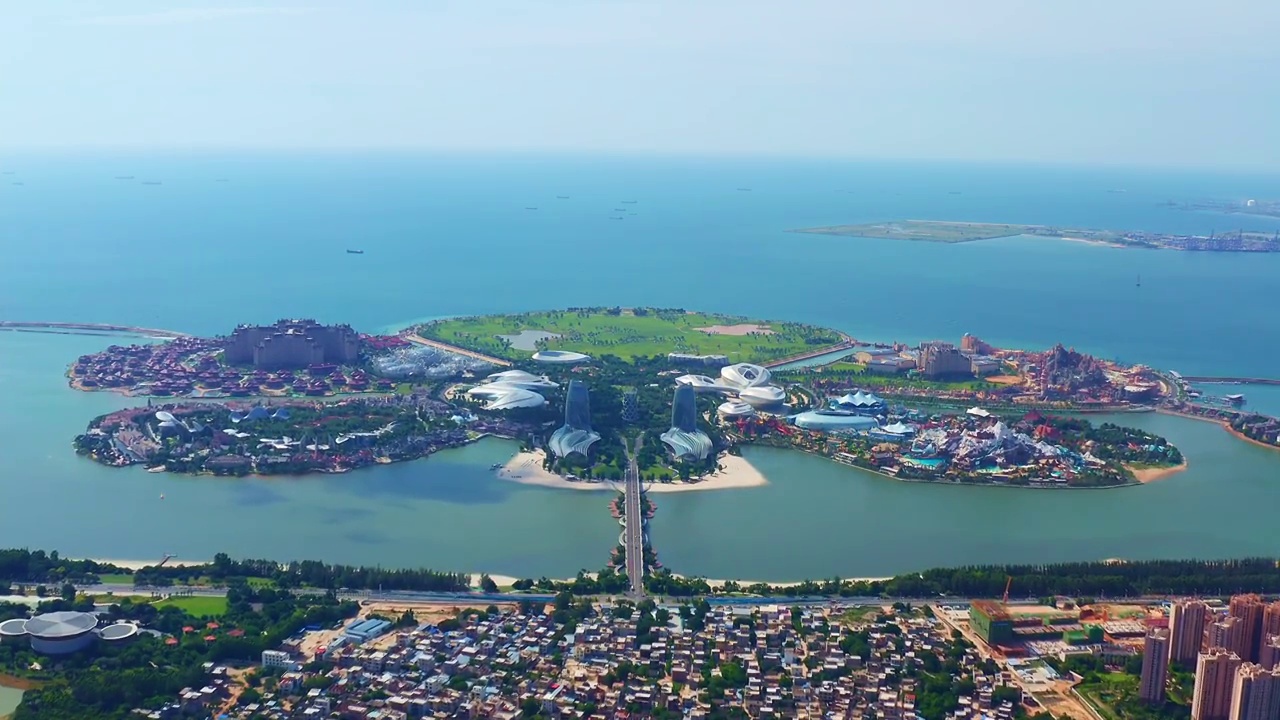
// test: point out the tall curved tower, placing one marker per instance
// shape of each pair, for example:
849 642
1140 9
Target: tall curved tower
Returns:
576 434
684 439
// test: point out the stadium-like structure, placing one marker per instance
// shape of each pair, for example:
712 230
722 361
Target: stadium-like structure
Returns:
684 439
576 435
564 357
61 633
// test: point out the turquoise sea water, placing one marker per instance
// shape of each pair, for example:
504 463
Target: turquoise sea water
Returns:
451 235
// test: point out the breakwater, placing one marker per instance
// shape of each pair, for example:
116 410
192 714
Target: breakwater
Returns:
1231 380
66 328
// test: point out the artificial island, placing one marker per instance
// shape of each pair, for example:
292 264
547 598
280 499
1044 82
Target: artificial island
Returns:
953 231
591 392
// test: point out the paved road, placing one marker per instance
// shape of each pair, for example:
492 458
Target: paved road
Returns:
635 522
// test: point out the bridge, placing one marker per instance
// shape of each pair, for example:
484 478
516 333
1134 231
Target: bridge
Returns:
634 546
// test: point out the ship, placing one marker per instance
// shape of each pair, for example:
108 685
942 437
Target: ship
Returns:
355 252
124 177
628 202
562 197
531 208
151 182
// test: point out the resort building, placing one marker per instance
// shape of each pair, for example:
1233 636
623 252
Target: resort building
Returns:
576 435
1186 630
982 366
684 439
292 344
940 359
1155 669
1215 681
833 420
1255 694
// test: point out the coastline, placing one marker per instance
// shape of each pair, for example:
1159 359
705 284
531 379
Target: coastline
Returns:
1149 475
1223 424
526 468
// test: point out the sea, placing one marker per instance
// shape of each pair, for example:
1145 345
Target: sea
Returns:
200 242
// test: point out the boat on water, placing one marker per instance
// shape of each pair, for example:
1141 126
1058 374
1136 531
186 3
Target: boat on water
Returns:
124 177
1236 399
355 252
562 197
152 182
744 189
531 208
629 202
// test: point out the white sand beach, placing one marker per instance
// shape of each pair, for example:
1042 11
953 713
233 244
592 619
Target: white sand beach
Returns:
526 468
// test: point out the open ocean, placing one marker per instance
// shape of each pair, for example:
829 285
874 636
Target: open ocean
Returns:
226 239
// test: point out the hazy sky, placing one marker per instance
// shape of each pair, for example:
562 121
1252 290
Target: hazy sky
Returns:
1167 82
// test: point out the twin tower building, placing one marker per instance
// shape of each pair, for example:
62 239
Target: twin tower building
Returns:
684 439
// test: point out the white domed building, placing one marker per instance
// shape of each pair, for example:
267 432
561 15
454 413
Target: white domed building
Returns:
55 633
745 375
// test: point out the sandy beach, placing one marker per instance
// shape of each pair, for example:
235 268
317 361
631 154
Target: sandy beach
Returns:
1147 475
139 564
526 468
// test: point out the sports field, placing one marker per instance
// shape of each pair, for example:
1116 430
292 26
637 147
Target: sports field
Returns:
630 333
198 605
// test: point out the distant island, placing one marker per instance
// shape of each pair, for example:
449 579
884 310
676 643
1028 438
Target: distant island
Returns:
950 231
1265 208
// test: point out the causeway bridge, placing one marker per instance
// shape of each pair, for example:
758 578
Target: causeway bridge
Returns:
635 529
66 328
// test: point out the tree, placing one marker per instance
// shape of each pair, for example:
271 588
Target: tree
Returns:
69 592
487 584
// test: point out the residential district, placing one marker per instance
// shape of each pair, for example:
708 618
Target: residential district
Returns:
1208 660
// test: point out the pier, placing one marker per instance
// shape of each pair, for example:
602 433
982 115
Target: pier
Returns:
65 328
845 343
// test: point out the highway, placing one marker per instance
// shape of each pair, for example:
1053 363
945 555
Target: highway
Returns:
635 521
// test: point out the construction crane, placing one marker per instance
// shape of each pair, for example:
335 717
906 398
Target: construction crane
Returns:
1007 583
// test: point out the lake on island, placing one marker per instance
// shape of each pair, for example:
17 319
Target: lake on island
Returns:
451 236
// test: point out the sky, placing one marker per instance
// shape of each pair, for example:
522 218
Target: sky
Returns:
1137 82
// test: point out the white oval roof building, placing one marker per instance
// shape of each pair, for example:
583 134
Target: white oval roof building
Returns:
745 375
560 356
735 409
762 396
828 420
55 633
504 396
118 632
526 380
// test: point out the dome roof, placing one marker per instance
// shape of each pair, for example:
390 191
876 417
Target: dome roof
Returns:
763 395
61 624
744 375
560 356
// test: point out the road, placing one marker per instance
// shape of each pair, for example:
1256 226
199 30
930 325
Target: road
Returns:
635 521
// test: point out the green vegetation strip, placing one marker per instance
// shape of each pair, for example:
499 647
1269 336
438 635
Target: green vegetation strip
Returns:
632 333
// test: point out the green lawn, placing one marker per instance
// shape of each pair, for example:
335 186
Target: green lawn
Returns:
198 606
627 335
115 579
